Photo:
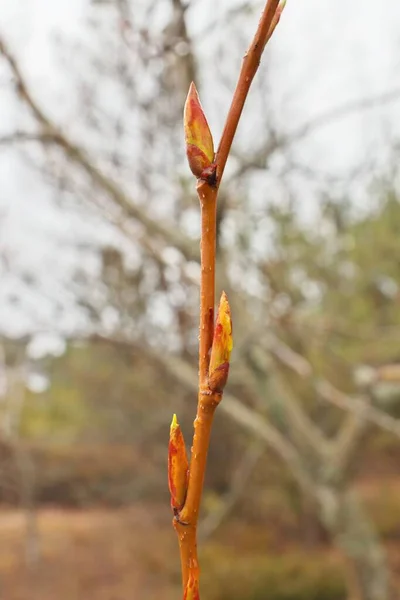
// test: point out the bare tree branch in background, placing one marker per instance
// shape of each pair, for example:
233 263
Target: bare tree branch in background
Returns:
233 408
280 141
241 476
51 133
320 462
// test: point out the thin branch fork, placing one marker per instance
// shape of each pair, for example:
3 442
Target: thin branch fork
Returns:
251 62
186 520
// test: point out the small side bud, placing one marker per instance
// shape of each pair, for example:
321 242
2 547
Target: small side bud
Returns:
198 138
276 18
221 347
192 588
177 465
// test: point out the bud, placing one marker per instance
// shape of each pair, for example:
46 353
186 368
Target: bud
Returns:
198 138
221 347
192 588
276 18
177 465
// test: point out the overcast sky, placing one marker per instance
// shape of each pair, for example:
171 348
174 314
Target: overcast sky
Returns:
326 52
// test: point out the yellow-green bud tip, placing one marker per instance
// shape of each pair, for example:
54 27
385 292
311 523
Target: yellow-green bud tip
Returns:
174 422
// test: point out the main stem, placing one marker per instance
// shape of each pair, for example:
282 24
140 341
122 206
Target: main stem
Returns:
208 206
185 522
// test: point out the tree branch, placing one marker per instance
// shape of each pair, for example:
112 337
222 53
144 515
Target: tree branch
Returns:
210 176
50 133
357 406
344 110
240 478
246 418
278 142
241 414
249 68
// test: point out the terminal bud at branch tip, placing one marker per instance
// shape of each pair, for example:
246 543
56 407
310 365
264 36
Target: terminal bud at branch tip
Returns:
192 588
177 465
221 347
198 138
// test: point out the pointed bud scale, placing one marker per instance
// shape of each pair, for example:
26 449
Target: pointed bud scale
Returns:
192 588
198 138
177 465
221 347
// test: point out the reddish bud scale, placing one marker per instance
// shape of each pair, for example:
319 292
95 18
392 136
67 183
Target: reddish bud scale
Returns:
218 378
198 138
197 160
177 465
221 347
192 589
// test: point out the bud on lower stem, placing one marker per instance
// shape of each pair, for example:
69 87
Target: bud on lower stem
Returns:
177 465
221 347
198 138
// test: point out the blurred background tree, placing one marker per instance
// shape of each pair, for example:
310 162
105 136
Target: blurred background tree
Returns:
303 471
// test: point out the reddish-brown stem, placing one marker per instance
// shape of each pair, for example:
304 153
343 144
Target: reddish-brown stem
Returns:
186 526
185 522
249 68
202 430
207 402
208 203
187 537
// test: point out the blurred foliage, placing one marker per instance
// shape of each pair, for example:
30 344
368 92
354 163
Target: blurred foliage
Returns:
96 392
328 288
333 296
98 433
227 576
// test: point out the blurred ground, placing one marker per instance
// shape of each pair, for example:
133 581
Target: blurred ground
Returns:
102 554
131 553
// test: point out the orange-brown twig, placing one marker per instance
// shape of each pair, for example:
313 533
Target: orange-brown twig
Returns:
249 68
199 145
208 207
186 523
